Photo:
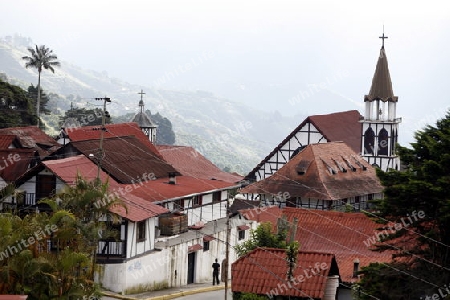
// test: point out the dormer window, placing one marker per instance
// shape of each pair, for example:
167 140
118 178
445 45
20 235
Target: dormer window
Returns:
302 167
339 165
330 169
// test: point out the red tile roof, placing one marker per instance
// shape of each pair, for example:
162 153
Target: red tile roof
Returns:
126 158
112 130
263 214
15 162
159 190
309 175
346 235
6 140
263 271
67 169
190 162
34 138
138 209
341 126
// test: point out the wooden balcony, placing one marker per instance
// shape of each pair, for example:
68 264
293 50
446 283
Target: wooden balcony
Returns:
111 251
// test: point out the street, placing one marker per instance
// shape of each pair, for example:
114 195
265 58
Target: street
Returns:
216 295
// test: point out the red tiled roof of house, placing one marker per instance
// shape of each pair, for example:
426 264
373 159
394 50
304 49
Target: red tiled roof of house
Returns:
34 138
263 214
6 140
68 169
126 158
15 162
138 209
189 161
342 234
112 131
160 189
326 171
347 235
263 271
341 126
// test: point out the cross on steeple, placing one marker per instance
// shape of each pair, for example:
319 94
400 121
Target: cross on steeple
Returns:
141 103
142 94
382 38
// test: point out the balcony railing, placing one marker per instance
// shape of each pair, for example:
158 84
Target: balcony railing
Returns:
110 249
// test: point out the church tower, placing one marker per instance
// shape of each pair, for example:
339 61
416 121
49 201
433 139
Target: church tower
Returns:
380 123
144 121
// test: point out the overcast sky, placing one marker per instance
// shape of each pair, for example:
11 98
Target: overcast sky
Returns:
263 53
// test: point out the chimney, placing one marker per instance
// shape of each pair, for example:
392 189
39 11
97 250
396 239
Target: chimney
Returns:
355 268
172 178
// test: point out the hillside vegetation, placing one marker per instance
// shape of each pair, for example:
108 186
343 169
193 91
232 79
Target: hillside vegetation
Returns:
230 134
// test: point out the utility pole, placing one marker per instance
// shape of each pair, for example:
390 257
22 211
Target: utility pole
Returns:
105 99
227 247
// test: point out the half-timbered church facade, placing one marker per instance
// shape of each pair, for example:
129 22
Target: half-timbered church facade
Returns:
372 135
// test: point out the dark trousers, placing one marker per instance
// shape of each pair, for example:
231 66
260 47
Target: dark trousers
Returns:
215 277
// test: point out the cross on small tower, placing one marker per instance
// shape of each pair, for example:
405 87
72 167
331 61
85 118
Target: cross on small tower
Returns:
142 94
141 103
382 38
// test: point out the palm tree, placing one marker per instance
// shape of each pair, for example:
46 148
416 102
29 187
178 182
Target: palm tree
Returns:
41 57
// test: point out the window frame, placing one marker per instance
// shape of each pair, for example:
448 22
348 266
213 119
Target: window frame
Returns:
141 234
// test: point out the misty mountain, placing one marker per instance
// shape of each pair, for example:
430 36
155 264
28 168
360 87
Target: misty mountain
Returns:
228 133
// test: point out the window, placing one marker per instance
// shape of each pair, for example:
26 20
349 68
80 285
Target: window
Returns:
369 141
241 234
217 196
179 204
383 138
205 245
291 202
241 231
45 186
140 231
197 200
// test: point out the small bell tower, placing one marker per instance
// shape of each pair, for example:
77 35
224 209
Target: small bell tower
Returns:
380 123
144 121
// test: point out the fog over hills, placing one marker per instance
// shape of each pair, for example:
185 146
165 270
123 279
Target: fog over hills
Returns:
230 134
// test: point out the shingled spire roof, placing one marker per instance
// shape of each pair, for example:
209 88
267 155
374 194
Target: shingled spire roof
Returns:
141 118
381 88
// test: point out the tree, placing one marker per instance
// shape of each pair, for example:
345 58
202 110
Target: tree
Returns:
56 264
84 116
41 58
32 94
16 108
422 190
262 236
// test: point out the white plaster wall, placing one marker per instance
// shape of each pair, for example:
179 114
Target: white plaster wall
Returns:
147 272
169 266
112 277
29 186
135 248
206 213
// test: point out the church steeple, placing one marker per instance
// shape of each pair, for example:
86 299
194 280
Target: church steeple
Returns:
381 102
380 123
144 121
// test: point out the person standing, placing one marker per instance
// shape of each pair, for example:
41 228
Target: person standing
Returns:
216 269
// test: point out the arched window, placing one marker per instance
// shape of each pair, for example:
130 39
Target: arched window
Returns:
369 141
383 144
393 140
